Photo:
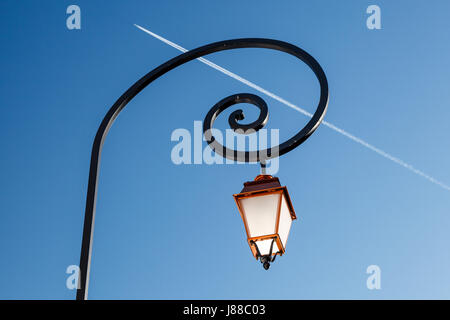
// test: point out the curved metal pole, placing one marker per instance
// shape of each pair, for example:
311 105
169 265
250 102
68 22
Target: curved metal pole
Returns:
88 227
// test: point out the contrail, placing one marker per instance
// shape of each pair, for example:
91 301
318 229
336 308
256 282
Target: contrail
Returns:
306 113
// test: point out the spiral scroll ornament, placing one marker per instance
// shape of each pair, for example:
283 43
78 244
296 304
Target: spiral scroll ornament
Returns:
263 155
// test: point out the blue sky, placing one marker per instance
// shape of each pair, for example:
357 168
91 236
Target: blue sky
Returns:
164 231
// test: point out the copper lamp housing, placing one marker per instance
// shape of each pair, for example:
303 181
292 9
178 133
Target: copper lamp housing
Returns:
267 212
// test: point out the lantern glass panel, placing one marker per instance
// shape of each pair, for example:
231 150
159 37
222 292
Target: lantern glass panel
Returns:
261 214
264 246
285 222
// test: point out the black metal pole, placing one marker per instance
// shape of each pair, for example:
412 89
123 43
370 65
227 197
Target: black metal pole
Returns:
301 136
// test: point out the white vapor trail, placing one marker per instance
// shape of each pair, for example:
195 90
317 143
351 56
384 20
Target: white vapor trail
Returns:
306 113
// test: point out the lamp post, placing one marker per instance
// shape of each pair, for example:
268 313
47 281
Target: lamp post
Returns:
248 200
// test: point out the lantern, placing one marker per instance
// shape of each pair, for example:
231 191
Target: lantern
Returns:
267 212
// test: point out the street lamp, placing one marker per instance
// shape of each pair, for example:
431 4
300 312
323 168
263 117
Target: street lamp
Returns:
264 245
267 212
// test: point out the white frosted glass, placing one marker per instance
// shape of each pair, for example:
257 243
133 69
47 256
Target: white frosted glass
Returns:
261 214
264 246
285 222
